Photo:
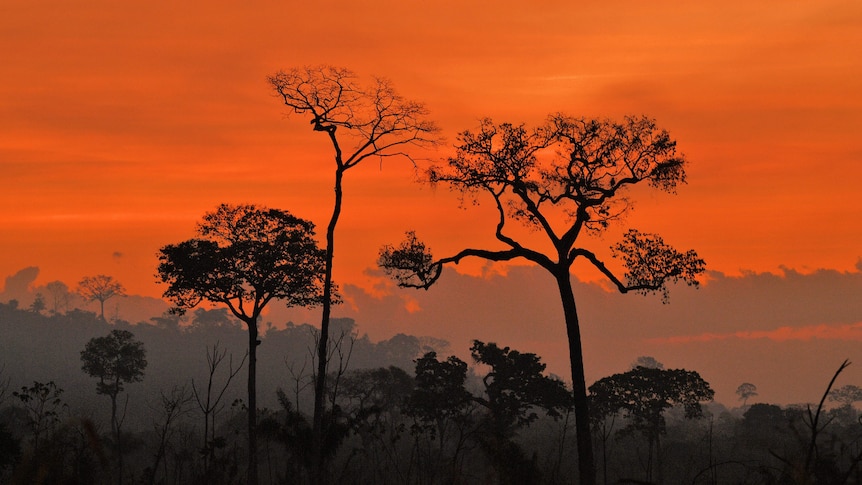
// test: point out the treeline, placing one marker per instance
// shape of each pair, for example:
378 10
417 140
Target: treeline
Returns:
400 411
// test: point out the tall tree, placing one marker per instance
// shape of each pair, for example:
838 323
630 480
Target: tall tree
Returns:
566 180
246 256
360 122
115 359
644 394
100 288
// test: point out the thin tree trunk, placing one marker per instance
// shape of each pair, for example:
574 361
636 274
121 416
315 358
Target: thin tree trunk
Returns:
115 429
320 382
586 461
252 401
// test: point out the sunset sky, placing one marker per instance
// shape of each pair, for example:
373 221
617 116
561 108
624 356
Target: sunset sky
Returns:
122 123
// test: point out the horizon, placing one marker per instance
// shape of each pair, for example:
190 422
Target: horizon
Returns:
787 348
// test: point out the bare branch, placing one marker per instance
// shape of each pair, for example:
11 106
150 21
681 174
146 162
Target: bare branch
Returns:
412 265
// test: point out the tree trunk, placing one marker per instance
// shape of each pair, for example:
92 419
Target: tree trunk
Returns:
253 342
322 344
115 430
586 461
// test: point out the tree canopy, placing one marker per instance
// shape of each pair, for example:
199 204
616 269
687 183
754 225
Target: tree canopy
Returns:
100 288
644 394
563 180
245 257
114 359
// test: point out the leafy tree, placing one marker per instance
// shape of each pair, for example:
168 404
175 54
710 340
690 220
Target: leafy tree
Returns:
100 288
515 387
846 395
360 122
439 393
644 394
246 256
115 359
745 391
373 400
648 362
566 180
763 420
442 410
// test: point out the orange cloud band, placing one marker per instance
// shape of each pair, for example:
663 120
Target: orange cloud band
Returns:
781 334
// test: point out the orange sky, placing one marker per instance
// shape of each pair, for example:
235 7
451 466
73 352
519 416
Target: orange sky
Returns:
121 124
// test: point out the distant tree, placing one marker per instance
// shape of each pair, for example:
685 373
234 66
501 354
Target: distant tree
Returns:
59 296
209 400
212 318
644 394
566 180
43 403
648 362
761 421
373 400
246 256
115 359
38 305
846 395
100 288
515 387
441 409
170 406
745 391
360 122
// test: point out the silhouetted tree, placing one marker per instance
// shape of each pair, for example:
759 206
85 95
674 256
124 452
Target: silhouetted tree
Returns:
100 288
210 401
745 391
171 406
515 387
645 393
846 395
442 413
374 400
246 257
566 179
648 362
43 403
360 122
115 359
38 305
59 296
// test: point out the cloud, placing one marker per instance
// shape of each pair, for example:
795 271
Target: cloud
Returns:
780 334
750 326
18 285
